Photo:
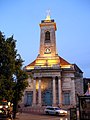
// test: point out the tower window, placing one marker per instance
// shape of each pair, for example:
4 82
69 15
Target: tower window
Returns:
47 37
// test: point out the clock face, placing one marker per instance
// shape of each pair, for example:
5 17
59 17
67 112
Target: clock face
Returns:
47 50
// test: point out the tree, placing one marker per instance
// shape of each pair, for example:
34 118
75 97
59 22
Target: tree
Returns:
12 77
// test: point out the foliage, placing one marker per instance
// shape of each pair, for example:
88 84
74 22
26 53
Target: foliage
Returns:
12 77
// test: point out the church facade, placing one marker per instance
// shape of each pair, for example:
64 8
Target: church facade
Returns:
52 80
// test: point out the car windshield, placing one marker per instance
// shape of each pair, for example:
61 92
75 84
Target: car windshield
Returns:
57 108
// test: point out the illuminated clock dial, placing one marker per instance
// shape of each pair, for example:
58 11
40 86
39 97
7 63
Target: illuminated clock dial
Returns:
47 50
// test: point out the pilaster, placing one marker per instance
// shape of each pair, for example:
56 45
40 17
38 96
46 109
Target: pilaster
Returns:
39 92
54 92
59 91
34 93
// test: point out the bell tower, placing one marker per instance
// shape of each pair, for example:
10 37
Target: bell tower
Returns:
47 52
47 38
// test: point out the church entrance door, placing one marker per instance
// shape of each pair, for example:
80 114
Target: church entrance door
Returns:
47 97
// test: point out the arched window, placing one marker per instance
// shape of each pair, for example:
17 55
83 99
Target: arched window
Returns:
47 37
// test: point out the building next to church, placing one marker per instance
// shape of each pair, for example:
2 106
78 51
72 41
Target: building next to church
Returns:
86 86
52 80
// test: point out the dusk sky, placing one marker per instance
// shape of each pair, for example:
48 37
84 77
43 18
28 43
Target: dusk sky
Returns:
21 18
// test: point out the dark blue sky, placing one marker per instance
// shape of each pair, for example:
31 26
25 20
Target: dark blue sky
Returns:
22 18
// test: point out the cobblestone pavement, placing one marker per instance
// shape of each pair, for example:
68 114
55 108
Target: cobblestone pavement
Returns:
29 116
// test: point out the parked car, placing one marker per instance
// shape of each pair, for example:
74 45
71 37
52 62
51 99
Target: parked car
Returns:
55 110
3 114
6 111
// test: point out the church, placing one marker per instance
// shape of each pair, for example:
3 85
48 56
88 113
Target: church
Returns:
53 81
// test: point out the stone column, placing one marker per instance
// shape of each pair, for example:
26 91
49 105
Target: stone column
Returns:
34 92
73 92
54 92
59 92
39 92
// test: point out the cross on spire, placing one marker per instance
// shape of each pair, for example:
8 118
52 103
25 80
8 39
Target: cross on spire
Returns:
48 12
48 15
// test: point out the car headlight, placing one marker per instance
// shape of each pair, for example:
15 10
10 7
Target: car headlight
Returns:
65 111
6 106
1 106
61 111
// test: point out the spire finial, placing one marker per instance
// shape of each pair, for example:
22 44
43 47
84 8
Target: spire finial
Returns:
48 15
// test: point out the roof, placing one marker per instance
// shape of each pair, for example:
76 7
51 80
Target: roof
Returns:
77 68
63 62
32 63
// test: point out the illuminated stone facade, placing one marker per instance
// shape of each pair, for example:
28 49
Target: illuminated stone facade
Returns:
52 80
